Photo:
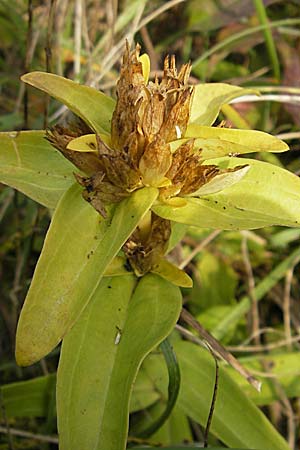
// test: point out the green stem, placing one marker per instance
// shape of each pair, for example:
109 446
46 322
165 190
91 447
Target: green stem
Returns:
271 48
241 35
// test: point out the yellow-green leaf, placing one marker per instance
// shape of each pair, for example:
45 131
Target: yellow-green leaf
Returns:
94 107
209 98
78 248
266 195
241 141
87 143
145 60
170 272
30 164
101 355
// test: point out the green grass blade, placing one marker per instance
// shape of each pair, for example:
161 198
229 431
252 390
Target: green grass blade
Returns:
173 389
238 311
270 44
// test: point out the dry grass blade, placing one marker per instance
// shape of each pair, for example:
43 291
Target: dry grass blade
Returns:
219 349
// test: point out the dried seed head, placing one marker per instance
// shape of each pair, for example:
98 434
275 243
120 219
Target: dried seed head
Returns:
147 117
144 252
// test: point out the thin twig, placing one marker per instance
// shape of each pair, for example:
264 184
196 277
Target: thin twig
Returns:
27 60
48 53
29 435
7 427
199 247
150 48
291 429
77 38
87 43
218 348
158 12
213 401
251 291
263 348
286 307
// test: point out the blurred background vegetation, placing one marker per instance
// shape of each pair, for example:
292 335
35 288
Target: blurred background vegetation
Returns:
246 284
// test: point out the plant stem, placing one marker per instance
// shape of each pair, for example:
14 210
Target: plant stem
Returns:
271 48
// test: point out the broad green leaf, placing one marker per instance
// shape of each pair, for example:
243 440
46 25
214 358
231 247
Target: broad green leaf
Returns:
236 420
209 98
172 273
30 164
218 283
266 195
92 106
101 355
28 398
78 248
284 367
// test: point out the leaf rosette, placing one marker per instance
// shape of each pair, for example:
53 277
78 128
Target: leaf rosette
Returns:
144 162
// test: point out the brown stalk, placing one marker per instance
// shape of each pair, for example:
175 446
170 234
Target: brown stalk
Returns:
27 60
251 291
48 52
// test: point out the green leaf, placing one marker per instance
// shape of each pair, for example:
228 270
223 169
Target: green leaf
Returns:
28 398
218 282
173 390
283 366
94 107
101 355
78 248
186 447
266 195
209 98
176 429
88 143
235 141
172 273
30 164
236 420
235 314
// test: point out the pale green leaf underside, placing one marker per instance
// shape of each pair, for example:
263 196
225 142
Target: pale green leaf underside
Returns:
101 355
30 164
78 248
266 195
236 421
209 98
94 107
220 182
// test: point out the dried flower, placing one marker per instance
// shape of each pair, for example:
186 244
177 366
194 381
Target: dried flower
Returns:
148 116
